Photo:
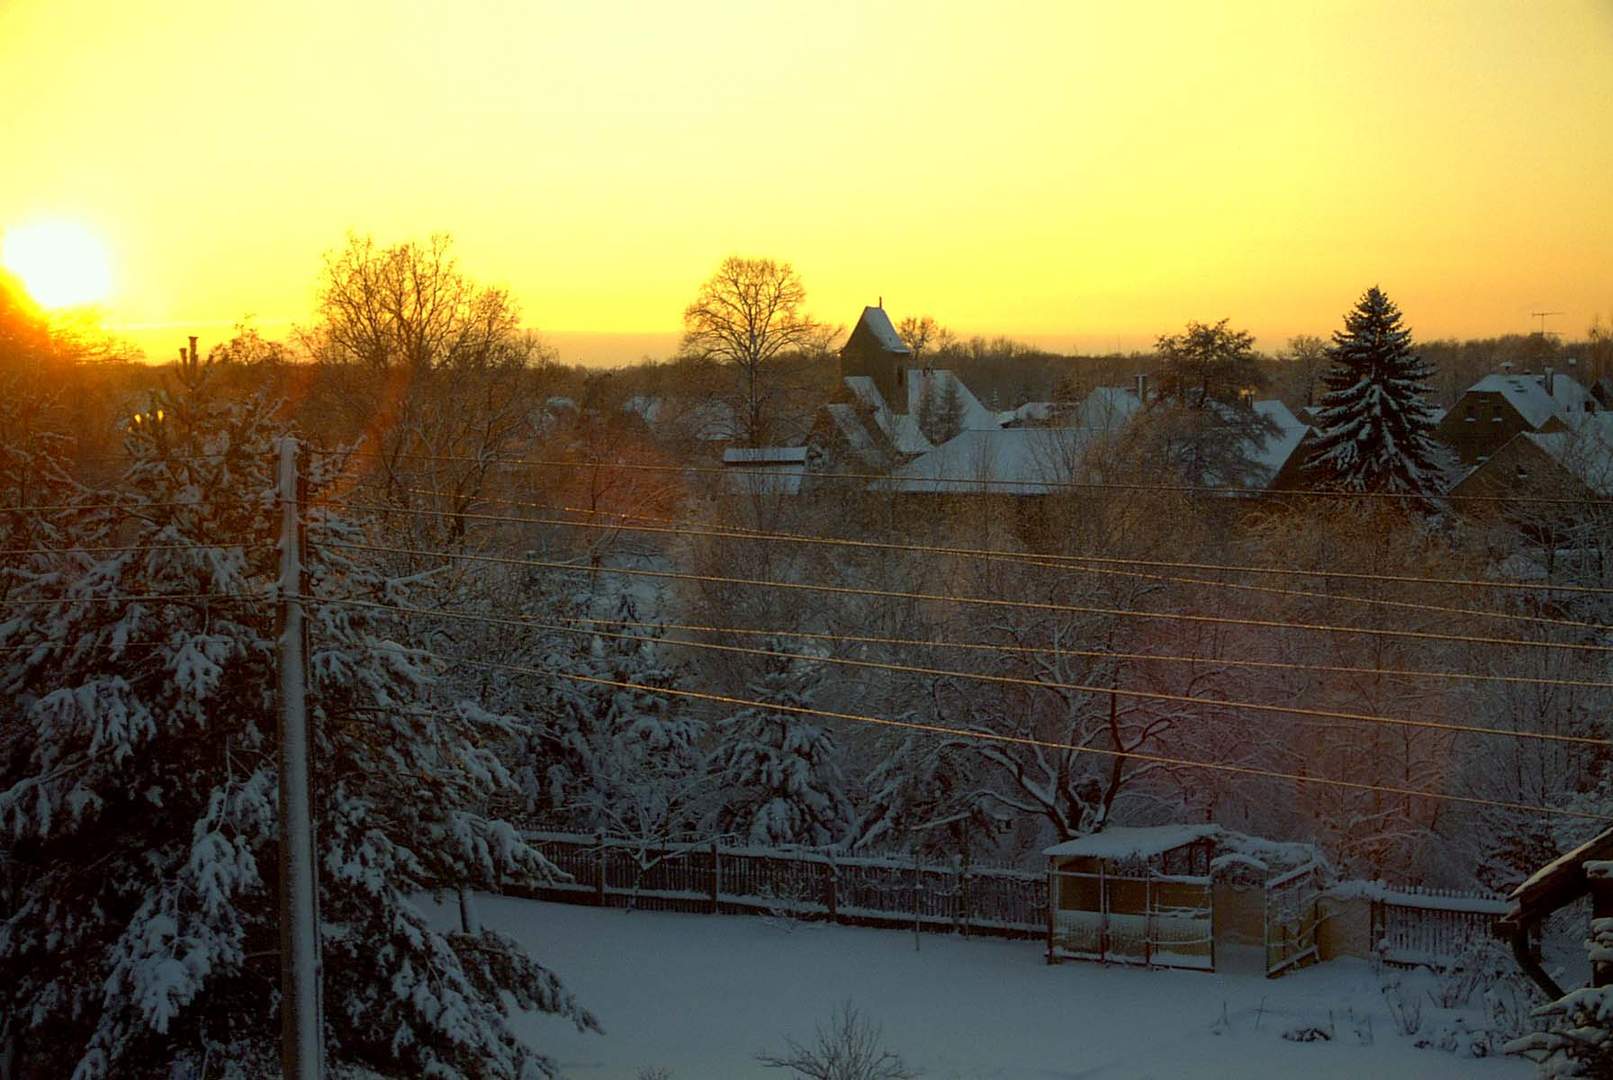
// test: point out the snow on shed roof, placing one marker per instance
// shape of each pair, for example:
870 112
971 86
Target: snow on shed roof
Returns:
879 324
1134 842
1568 400
767 455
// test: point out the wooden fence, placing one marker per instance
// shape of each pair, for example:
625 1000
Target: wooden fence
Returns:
1414 927
712 877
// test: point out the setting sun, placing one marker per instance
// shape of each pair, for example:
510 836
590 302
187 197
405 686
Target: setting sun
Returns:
61 263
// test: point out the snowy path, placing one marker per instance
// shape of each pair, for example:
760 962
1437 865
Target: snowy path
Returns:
700 995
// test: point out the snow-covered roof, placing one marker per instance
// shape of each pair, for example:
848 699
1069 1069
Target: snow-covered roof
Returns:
1133 842
1587 453
765 470
1568 400
1107 408
864 390
879 325
1032 410
708 421
939 382
772 455
852 429
902 430
1275 450
1009 461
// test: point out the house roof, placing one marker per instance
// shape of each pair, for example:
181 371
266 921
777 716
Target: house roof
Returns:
877 323
1005 461
1568 400
1586 453
902 430
1107 408
922 381
1275 450
1134 843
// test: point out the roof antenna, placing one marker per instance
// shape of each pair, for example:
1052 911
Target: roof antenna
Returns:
1543 316
882 303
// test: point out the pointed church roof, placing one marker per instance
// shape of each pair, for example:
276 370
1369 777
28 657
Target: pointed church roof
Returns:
877 325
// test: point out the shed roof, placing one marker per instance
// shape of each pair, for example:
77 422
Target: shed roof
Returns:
1134 842
1559 882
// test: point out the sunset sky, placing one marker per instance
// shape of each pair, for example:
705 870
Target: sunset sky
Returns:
1080 174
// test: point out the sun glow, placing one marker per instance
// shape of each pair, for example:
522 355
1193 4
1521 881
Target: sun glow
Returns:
61 263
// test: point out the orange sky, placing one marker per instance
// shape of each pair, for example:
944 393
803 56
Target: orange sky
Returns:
1073 173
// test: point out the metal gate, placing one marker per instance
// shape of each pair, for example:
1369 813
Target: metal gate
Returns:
1159 920
1292 918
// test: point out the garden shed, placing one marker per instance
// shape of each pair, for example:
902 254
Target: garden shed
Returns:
1134 895
1188 896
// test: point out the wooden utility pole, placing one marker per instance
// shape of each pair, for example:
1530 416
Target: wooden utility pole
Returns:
301 1047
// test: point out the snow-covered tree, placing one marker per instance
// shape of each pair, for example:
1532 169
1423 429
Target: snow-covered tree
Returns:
609 758
1578 1040
138 793
1375 426
925 794
779 771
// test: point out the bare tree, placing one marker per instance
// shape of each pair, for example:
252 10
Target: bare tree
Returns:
747 315
848 1047
923 335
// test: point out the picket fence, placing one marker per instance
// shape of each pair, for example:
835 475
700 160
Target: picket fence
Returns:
1410 926
717 877
1414 927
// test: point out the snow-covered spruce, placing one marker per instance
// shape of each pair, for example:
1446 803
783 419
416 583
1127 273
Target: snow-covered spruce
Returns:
1374 425
1578 1040
601 757
779 771
139 797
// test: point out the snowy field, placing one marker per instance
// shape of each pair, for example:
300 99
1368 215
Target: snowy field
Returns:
700 995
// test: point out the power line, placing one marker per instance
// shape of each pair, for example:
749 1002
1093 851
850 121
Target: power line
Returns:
135 598
1071 563
985 601
1020 740
1101 654
39 508
1341 575
123 548
965 484
1002 680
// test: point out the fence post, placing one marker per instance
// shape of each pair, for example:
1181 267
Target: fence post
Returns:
1052 908
599 874
831 888
1148 921
716 877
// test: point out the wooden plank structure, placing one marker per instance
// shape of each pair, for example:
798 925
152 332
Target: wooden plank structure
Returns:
1134 896
1554 886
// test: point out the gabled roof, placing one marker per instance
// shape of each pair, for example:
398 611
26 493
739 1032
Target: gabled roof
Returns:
1586 453
878 324
939 381
765 470
1568 400
1275 450
1001 461
902 431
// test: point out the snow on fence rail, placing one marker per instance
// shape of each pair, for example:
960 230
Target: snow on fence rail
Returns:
711 877
1417 926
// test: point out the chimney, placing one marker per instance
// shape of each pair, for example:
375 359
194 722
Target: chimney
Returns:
1551 379
1142 387
1506 366
882 303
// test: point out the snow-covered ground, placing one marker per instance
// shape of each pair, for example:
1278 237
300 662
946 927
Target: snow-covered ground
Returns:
700 995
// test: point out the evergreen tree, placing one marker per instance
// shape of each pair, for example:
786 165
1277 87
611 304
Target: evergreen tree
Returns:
925 795
1374 425
779 771
138 793
614 759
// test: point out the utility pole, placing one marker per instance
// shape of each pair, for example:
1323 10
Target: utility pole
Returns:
301 1047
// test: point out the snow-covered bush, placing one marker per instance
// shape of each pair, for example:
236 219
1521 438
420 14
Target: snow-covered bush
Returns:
138 792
